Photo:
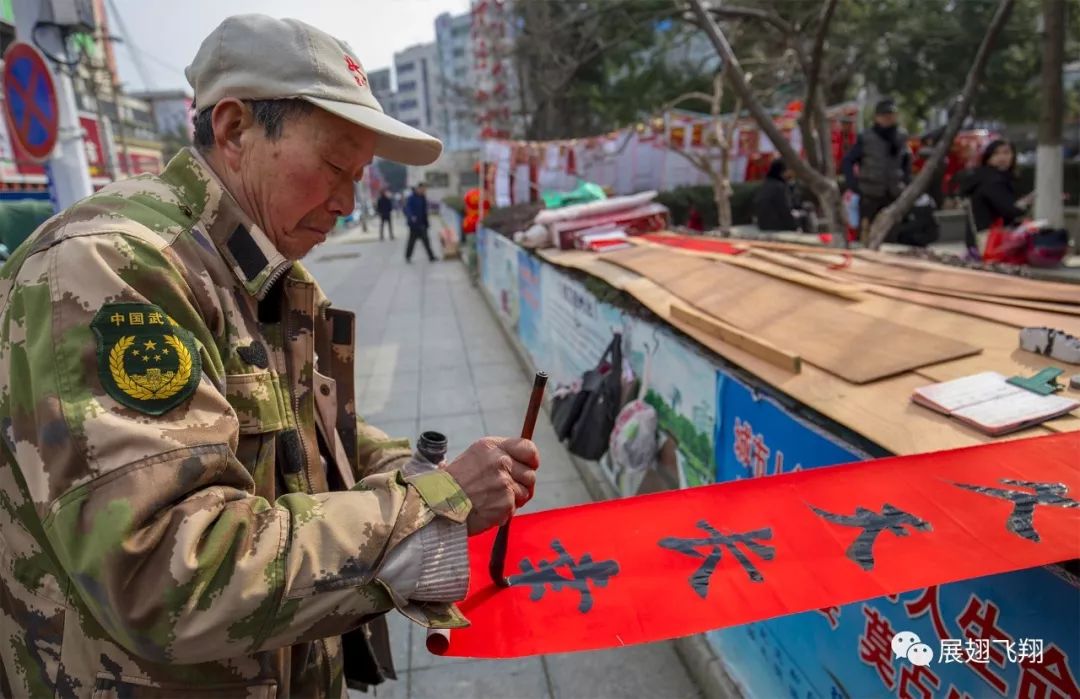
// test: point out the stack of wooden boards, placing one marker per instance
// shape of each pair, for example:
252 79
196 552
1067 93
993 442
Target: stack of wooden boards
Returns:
850 335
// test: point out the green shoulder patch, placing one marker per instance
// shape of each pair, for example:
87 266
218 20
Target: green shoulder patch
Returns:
145 360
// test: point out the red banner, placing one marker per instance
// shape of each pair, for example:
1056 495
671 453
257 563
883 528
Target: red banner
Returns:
661 566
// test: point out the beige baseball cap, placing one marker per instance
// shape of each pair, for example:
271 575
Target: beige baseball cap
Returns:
256 57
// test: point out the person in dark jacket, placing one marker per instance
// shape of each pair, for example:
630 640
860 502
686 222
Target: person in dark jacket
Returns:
991 192
884 161
385 207
773 205
416 215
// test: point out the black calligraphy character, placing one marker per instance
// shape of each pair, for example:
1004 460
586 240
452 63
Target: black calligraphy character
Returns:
1021 521
717 542
581 572
891 519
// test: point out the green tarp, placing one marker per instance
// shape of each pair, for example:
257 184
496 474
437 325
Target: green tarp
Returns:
18 219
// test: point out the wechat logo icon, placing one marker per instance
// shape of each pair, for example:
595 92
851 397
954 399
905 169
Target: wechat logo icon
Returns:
908 645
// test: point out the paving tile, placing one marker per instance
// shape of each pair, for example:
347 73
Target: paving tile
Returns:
456 362
404 428
487 349
519 679
396 382
391 689
398 406
448 401
549 496
509 397
652 670
501 372
401 629
436 380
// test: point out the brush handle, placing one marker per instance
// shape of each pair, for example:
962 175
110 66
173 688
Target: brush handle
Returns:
498 549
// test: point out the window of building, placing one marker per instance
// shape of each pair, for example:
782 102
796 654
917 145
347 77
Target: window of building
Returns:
459 52
415 123
406 68
436 179
470 179
404 105
407 86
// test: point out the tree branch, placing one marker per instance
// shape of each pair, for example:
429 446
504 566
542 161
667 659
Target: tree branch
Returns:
817 54
813 105
742 89
735 12
699 96
891 215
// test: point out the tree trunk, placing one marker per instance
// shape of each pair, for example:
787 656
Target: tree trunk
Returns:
721 182
1049 168
816 121
892 214
824 188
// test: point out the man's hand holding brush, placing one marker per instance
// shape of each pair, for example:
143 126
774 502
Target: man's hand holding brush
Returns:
498 475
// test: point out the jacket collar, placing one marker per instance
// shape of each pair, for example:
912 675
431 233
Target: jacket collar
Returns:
244 246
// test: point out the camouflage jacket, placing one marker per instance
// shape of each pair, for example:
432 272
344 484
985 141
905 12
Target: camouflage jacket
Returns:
179 512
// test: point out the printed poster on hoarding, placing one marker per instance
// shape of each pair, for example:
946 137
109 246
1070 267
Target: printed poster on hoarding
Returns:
576 328
530 313
502 277
1001 636
756 436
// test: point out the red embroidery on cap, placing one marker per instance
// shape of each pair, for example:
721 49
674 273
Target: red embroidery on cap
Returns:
358 72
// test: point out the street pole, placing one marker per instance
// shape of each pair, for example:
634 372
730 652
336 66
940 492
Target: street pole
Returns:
68 169
106 145
1049 167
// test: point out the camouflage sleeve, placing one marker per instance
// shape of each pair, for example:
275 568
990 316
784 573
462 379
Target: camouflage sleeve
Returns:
377 452
152 519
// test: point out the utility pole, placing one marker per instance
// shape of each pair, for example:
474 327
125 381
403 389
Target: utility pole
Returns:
1049 168
96 70
68 169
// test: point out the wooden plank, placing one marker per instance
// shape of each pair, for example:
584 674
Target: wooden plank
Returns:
944 278
733 336
788 260
850 292
1006 315
821 329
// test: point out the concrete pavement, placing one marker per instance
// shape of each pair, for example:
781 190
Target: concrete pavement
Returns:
430 356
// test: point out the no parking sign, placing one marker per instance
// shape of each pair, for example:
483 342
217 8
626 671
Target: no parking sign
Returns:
30 101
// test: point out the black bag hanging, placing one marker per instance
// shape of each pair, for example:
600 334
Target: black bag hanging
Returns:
602 388
565 411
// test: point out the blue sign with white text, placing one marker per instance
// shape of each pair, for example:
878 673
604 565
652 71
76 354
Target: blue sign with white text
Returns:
756 437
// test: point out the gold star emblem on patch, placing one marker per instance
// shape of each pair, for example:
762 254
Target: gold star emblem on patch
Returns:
124 368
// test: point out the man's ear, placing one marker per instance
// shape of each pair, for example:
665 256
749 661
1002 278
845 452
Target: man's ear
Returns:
232 122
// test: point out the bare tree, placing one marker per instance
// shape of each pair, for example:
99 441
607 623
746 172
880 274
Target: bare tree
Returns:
824 186
810 56
892 214
721 136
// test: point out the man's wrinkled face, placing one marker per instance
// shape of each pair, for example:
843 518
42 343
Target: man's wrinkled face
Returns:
298 184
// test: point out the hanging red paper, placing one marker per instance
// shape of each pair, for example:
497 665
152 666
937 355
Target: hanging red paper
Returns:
661 566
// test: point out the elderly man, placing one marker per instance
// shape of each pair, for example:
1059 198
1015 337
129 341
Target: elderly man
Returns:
884 160
188 504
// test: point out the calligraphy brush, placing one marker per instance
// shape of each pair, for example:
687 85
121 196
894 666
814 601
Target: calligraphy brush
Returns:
498 549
